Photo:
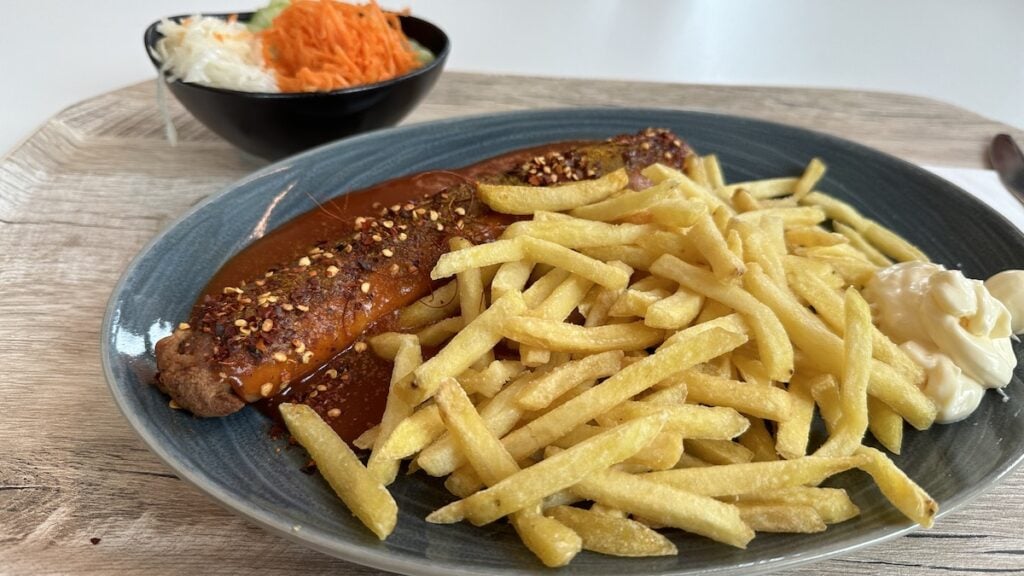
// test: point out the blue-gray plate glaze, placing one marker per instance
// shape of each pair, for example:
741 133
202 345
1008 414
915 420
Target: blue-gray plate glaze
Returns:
233 460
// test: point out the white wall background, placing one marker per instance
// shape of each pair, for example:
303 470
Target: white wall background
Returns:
56 52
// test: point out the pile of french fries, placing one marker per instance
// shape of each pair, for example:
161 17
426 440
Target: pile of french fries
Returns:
628 361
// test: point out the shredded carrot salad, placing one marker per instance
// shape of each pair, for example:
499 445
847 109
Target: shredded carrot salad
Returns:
320 45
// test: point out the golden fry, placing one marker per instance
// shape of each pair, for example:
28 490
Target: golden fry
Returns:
853 389
561 470
475 340
613 535
666 505
755 477
781 518
904 494
529 199
774 345
407 359
363 494
562 337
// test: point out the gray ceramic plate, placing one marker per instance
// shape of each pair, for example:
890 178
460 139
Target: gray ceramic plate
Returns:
232 460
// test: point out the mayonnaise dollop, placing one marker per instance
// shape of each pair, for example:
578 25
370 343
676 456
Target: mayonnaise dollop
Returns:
953 326
1008 288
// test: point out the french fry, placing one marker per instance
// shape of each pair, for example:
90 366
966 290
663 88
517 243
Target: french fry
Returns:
772 342
885 425
853 388
598 303
833 505
825 390
498 252
712 310
735 243
743 201
500 414
660 173
510 277
803 236
729 322
754 477
470 283
812 175
761 401
440 332
490 380
653 284
557 306
703 422
363 494
676 212
857 240
477 338
529 199
666 505
661 454
561 470
408 357
613 535
579 233
758 249
562 399
675 243
628 203
667 393
714 171
690 461
562 337
709 241
544 286
552 542
548 216
721 216
635 257
365 440
790 216
598 508
759 441
767 188
543 390
634 303
575 262
674 312
781 518
793 434
901 491
412 434
882 238
855 271
693 165
752 371
386 344
434 307
718 451
481 447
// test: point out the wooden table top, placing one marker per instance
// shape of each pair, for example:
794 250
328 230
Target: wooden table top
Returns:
80 494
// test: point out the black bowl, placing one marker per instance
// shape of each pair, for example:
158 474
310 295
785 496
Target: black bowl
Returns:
278 125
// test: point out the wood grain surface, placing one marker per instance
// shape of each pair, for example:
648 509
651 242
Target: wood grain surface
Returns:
80 494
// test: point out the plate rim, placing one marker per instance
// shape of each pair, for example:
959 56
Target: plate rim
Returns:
380 558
